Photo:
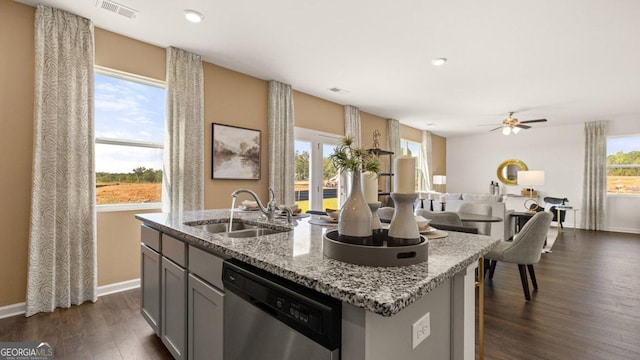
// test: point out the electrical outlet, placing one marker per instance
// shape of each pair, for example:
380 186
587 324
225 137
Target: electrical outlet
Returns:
421 330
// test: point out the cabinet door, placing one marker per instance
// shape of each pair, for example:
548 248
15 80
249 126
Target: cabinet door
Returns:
205 320
150 284
173 326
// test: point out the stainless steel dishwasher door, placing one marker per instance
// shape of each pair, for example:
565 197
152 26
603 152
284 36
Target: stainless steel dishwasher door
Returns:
255 313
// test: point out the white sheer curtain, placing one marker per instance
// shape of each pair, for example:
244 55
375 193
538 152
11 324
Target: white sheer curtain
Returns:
281 142
594 191
183 183
425 166
62 240
352 123
393 137
351 129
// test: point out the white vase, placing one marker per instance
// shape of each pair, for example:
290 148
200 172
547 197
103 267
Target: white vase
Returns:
355 216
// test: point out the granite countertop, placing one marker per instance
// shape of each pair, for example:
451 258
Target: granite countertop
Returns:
297 255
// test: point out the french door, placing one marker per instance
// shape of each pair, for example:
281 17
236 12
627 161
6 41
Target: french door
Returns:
317 184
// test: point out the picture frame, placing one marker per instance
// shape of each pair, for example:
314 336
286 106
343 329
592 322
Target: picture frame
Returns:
235 152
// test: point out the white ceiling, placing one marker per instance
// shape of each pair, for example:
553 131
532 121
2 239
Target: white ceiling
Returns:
568 61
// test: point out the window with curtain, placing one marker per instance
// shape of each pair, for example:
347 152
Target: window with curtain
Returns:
129 139
412 148
623 165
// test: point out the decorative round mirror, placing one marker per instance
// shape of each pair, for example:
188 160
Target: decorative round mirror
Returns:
508 171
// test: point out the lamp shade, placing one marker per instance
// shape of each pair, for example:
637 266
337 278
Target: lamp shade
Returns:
532 177
439 179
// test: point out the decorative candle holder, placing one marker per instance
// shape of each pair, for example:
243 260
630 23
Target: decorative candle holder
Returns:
431 204
376 225
375 220
443 206
403 229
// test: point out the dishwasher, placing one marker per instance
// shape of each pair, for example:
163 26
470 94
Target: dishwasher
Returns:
267 317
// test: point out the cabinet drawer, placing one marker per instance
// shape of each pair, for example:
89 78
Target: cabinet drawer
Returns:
150 237
206 265
174 249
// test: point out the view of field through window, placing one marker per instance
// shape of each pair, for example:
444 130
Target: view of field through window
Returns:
129 141
623 165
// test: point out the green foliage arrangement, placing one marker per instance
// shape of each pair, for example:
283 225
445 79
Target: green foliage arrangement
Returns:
347 157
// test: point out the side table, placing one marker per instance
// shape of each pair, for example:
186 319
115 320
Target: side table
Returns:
564 208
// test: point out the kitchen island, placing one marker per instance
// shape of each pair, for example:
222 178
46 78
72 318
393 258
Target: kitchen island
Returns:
380 304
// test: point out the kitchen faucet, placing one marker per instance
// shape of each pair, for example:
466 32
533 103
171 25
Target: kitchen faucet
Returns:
272 206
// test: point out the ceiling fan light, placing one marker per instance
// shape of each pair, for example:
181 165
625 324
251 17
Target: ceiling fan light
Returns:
193 16
515 130
438 61
506 130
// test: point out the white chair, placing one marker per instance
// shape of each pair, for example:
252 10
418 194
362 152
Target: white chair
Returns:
525 249
484 228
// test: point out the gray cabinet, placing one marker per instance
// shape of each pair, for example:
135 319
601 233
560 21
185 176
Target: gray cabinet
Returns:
150 276
182 295
173 295
206 299
205 320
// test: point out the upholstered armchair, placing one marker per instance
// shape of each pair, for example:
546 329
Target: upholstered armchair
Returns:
525 249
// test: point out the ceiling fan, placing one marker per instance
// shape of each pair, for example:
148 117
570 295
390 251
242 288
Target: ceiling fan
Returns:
511 124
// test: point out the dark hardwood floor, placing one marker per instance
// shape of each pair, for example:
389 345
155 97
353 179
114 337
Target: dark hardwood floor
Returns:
587 307
111 328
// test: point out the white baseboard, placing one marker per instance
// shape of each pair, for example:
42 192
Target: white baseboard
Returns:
13 310
623 230
21 308
118 287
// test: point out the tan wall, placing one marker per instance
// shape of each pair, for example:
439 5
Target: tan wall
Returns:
119 52
439 159
370 123
118 246
317 114
409 133
16 143
230 98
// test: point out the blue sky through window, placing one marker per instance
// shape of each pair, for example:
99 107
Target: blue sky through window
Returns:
128 110
625 144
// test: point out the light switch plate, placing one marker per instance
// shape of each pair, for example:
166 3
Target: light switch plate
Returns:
421 330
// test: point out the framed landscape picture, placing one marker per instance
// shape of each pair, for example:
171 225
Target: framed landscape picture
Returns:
235 152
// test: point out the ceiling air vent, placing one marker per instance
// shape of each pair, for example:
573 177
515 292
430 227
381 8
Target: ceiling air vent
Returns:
337 90
119 9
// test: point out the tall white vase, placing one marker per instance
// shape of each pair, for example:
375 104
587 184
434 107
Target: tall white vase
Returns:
355 216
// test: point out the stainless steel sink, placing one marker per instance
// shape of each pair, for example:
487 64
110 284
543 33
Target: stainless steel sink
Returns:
238 230
248 233
224 227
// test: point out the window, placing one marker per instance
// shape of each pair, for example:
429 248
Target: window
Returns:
412 148
623 165
129 138
316 179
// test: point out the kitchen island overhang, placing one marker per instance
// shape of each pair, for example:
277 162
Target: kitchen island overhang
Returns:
297 255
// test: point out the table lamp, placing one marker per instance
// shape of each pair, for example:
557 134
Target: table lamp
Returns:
439 179
531 178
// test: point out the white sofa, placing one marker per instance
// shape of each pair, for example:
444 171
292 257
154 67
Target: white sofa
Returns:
503 230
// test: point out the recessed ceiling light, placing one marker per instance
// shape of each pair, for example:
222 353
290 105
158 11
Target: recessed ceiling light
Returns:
439 61
193 16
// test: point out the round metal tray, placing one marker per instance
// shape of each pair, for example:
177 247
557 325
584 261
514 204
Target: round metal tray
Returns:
381 255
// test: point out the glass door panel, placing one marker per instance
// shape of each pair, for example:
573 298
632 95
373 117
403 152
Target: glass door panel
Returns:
330 180
302 174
